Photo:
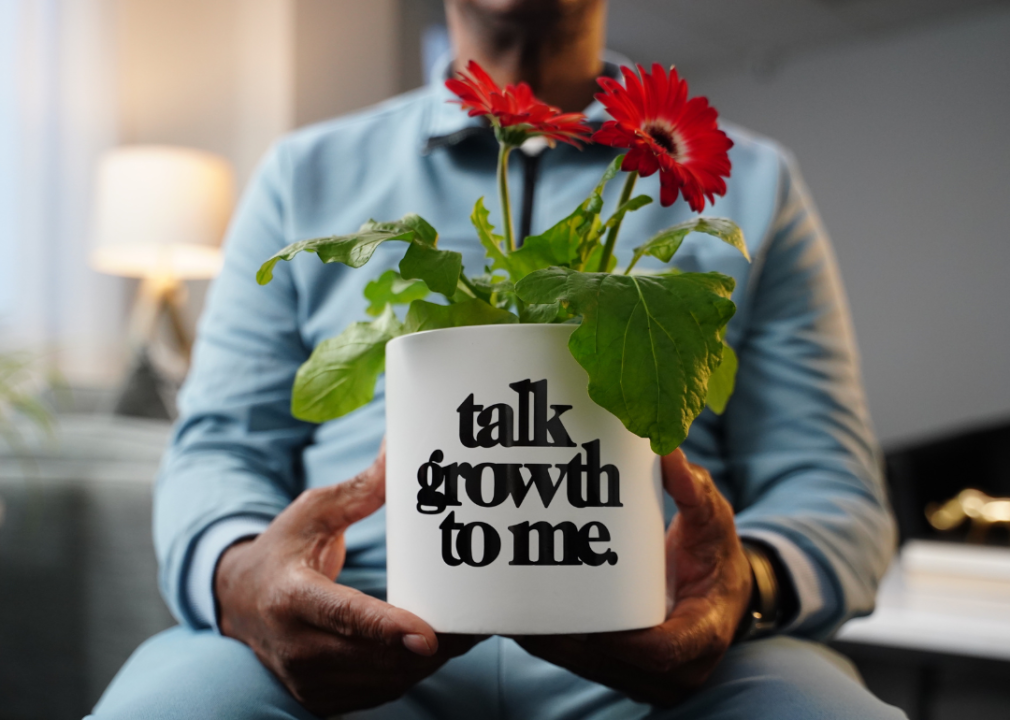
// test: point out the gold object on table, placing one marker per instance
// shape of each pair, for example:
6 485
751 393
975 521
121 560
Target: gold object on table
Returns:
982 510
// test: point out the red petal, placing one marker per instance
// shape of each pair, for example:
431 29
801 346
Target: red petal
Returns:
692 193
632 160
648 163
613 134
515 105
668 195
617 102
635 92
701 160
661 89
481 77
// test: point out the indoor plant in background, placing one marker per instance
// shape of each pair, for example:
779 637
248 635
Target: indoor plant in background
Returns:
23 384
505 454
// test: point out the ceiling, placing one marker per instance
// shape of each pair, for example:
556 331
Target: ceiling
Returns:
703 36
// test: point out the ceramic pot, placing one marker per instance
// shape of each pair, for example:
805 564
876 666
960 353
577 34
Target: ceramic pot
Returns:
515 504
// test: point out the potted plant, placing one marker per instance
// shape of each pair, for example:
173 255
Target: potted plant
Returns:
527 406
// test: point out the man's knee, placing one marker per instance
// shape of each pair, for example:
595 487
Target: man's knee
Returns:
183 673
784 679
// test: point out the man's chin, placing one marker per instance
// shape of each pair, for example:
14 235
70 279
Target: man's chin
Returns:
525 10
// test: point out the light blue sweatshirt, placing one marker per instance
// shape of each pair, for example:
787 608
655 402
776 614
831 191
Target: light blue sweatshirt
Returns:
794 452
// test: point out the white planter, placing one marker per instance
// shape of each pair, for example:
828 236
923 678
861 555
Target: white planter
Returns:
461 554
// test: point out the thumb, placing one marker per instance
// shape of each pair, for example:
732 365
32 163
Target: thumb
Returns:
691 487
336 507
362 495
350 613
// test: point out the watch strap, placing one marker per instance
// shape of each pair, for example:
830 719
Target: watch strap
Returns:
764 612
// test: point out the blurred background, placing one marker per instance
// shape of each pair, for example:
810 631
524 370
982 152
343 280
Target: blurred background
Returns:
895 109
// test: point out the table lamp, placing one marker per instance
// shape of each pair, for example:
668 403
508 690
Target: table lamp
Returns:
160 215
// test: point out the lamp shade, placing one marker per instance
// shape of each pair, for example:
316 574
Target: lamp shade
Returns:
161 212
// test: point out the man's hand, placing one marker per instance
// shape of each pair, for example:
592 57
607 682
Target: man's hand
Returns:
708 577
336 649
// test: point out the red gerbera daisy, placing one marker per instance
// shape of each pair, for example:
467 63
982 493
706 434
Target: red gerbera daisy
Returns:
516 108
666 131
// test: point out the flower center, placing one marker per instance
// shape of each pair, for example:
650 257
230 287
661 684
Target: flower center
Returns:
663 136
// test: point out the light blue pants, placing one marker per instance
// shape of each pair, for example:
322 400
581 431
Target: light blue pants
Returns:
184 674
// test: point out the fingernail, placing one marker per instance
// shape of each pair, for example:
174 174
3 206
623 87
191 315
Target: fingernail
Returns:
417 644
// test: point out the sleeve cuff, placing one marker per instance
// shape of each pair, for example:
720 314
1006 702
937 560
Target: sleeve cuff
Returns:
211 545
811 593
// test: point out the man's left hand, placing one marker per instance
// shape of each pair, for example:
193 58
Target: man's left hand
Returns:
708 583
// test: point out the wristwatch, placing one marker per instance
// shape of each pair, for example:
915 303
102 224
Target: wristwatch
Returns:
772 600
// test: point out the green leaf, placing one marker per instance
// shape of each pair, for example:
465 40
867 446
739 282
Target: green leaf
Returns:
34 410
546 313
340 374
391 289
558 245
594 257
633 204
439 269
721 285
488 238
357 248
590 249
354 250
722 381
649 343
424 232
563 244
571 241
424 315
488 284
664 244
493 290
590 245
610 173
22 382
544 286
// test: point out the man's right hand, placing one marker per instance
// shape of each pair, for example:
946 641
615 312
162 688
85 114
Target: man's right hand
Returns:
334 648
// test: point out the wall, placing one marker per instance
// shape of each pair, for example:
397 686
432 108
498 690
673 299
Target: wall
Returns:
347 56
903 140
58 117
230 76
212 75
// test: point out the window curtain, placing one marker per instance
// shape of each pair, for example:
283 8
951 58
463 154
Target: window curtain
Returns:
58 112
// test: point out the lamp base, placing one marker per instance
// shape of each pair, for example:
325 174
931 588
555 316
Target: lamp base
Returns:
146 393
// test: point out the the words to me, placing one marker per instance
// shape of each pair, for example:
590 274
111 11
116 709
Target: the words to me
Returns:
583 477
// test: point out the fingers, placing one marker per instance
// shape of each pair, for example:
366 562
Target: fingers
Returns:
655 664
703 511
362 495
331 674
687 485
350 613
336 507
689 633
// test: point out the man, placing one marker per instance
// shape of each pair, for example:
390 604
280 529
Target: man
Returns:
253 522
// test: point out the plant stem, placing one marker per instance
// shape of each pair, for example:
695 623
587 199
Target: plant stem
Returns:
465 281
503 196
608 249
634 261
